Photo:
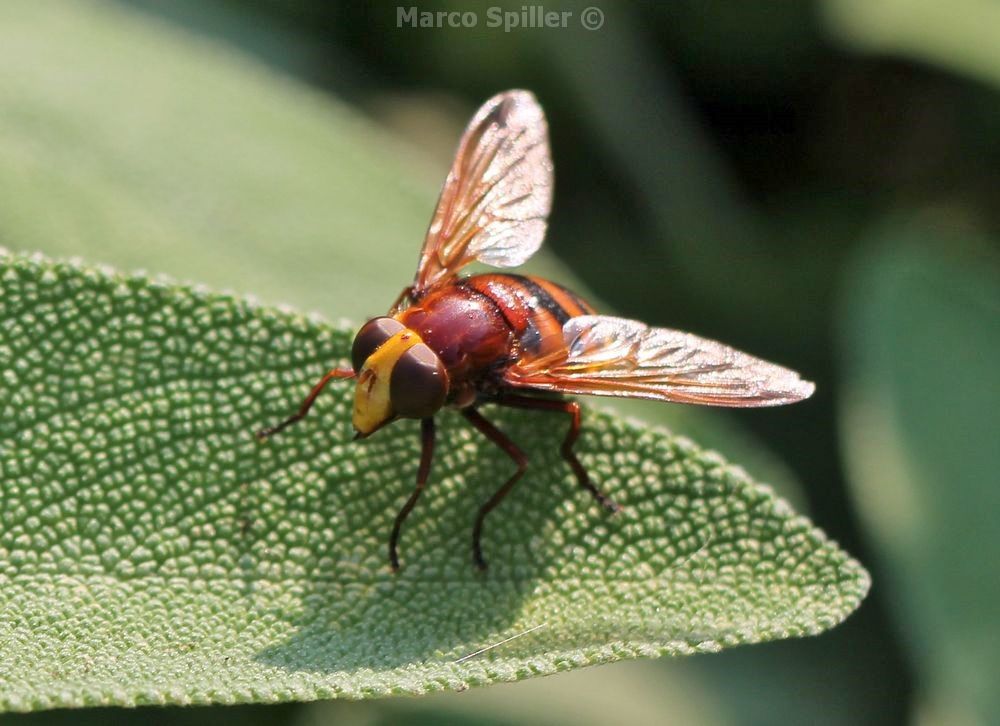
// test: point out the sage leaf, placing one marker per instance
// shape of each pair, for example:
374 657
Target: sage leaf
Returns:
152 551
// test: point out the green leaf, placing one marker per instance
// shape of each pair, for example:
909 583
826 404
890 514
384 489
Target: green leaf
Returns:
153 552
920 408
139 145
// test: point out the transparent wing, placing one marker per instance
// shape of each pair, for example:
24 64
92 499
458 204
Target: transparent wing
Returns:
496 198
607 356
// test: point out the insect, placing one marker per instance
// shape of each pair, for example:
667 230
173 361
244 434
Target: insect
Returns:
515 340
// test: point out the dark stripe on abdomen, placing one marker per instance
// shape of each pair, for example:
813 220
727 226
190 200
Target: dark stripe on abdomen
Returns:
542 300
567 299
536 309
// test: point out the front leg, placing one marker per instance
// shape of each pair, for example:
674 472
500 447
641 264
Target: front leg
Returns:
423 472
306 404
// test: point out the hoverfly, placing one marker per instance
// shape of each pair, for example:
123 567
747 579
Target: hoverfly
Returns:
512 339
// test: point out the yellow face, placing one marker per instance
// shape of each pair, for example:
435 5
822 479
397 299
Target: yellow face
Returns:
373 393
401 377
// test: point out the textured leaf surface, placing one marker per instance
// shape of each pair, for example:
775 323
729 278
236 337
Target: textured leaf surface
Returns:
151 551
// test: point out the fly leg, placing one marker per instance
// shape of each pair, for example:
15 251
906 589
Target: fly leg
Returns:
424 471
572 409
405 296
307 404
510 448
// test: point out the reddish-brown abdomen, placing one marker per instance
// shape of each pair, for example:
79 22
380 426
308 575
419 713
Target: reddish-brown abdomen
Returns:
535 308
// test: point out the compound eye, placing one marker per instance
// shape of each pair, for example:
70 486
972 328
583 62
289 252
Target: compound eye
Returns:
419 383
372 334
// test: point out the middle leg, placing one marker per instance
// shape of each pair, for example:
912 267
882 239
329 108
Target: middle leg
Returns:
499 438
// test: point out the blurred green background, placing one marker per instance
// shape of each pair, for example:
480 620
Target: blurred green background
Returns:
815 182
